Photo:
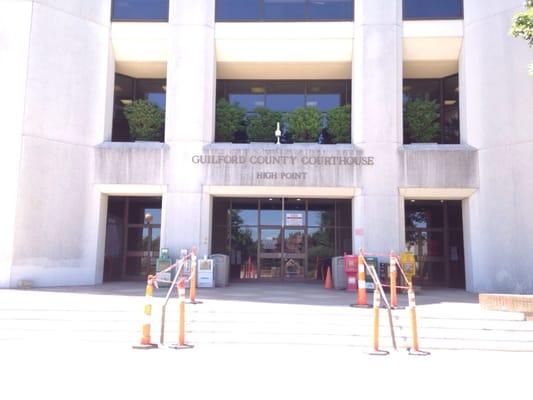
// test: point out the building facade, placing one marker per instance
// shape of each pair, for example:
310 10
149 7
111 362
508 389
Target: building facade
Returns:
85 203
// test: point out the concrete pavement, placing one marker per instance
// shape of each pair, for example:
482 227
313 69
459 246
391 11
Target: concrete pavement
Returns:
255 341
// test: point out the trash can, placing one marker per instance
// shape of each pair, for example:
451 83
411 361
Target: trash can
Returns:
221 265
338 275
162 262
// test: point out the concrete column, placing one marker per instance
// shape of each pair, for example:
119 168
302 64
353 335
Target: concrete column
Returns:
15 24
191 88
63 115
496 96
377 121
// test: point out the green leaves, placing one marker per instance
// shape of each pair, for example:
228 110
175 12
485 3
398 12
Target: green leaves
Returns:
305 124
523 26
340 123
229 119
422 117
144 119
262 125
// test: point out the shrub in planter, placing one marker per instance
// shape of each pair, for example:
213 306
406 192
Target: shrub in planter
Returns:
144 119
305 124
422 117
339 124
262 125
229 120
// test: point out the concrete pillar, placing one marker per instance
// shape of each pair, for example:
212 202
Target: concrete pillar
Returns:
496 97
60 105
191 86
15 23
377 121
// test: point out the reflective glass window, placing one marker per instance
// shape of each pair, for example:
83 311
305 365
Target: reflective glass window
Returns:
138 209
294 241
244 242
270 241
140 10
270 212
244 212
330 9
247 94
153 90
424 215
123 94
433 9
450 109
238 10
129 89
425 89
280 10
455 214
285 96
325 95
321 213
320 243
270 268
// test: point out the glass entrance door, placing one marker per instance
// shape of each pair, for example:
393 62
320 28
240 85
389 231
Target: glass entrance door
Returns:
282 253
281 239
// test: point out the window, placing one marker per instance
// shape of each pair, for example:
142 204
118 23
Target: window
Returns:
139 10
284 10
284 96
445 92
127 90
432 9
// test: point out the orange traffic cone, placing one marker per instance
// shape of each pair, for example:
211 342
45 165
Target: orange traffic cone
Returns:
146 340
327 283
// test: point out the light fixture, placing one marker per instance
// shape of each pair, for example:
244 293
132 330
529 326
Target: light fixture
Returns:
148 217
270 199
278 134
258 89
126 101
298 199
449 102
412 201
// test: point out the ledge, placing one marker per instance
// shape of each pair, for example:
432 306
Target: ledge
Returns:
439 166
128 163
508 302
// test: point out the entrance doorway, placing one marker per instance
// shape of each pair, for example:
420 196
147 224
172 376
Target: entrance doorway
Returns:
434 233
281 238
132 237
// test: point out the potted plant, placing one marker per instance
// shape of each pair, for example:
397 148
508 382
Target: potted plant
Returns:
305 124
262 125
340 123
144 119
422 117
229 121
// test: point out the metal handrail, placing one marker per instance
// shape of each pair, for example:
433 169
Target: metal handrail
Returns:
179 264
372 271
